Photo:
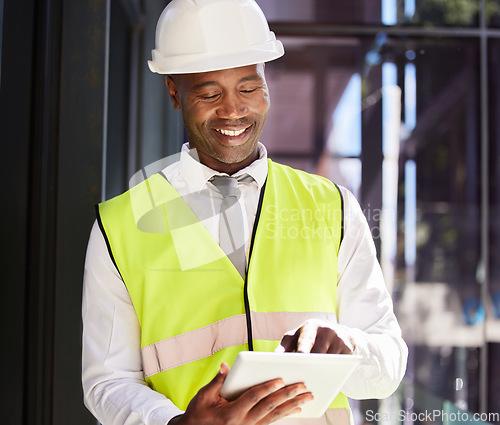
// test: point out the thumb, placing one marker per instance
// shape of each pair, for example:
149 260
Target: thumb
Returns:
215 385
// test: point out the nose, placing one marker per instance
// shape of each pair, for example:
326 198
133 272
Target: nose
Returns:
232 106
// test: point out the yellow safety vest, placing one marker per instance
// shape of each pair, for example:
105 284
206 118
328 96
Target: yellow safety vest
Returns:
194 309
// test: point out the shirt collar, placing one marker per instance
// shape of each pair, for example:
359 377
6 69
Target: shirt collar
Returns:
197 174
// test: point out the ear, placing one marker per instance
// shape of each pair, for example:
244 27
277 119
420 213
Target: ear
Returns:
173 92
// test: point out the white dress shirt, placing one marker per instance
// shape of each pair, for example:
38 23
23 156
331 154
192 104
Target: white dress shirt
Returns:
113 380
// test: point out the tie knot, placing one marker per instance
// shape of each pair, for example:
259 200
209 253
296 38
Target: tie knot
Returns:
227 186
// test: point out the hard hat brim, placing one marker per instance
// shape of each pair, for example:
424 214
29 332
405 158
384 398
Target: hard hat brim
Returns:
190 64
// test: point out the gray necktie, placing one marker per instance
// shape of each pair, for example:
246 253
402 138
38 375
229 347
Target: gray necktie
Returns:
231 231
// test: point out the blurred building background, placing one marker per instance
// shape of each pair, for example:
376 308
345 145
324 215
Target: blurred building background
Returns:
399 100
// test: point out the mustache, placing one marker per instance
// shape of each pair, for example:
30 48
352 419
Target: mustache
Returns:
241 122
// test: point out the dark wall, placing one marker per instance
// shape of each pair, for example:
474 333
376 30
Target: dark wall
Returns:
76 99
52 120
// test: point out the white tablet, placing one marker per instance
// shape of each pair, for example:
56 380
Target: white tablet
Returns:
323 374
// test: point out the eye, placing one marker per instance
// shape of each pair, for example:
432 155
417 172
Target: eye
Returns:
249 90
210 96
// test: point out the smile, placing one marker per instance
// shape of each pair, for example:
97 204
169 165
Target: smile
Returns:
232 133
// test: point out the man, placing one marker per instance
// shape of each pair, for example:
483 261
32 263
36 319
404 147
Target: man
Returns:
173 292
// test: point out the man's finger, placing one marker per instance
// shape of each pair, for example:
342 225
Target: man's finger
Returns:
339 348
288 408
279 403
289 342
250 398
325 342
307 337
212 389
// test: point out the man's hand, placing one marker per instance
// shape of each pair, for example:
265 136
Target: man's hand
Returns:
260 405
315 336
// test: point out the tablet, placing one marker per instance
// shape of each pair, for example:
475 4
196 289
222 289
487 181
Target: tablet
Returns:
323 374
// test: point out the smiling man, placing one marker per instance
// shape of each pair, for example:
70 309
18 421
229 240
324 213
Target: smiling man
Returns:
224 113
225 250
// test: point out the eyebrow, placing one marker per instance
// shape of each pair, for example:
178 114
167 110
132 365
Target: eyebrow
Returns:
251 78
206 84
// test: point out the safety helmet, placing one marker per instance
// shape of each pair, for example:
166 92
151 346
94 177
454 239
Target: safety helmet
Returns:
209 35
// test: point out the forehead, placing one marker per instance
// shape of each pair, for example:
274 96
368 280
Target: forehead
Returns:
225 77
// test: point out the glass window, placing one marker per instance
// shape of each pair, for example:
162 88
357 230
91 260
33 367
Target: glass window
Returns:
440 307
414 102
316 97
441 13
118 106
435 13
493 322
493 13
325 11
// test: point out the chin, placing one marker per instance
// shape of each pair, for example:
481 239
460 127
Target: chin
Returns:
235 159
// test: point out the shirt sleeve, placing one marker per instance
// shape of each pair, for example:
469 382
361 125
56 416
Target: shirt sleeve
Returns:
365 310
112 376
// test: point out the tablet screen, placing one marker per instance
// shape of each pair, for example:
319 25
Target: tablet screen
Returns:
323 374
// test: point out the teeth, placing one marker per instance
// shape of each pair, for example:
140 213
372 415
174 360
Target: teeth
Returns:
230 132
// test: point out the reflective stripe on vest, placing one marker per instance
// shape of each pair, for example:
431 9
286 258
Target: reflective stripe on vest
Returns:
189 297
171 352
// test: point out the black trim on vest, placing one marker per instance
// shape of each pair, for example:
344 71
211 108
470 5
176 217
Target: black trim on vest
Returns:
342 210
101 226
245 288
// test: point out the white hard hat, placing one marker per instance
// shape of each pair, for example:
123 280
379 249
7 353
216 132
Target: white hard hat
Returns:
209 35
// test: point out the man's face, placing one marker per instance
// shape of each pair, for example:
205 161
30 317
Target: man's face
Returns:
224 113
